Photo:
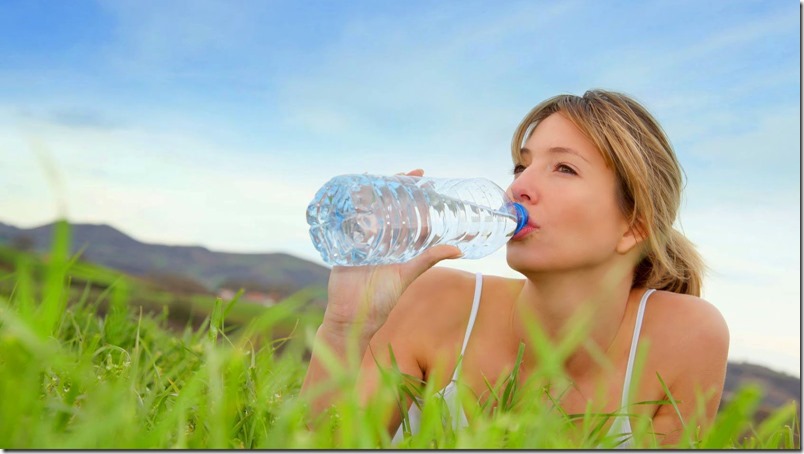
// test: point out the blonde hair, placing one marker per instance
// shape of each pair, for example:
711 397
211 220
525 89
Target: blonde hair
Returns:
649 180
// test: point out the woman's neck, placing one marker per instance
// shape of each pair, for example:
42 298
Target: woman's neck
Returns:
573 310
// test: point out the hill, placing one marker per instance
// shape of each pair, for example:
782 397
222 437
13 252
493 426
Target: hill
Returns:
779 388
182 266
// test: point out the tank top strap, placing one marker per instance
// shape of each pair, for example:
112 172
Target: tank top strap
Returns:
629 370
471 324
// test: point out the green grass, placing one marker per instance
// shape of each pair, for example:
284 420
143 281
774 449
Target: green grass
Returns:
71 378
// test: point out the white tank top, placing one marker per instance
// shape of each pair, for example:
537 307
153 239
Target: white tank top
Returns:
620 428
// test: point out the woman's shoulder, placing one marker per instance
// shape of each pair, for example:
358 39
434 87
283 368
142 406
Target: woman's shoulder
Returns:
440 300
439 290
426 314
688 327
694 313
447 289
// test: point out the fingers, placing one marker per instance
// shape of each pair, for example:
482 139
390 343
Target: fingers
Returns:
413 269
439 253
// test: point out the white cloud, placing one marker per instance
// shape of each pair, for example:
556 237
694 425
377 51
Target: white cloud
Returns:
655 62
155 38
389 78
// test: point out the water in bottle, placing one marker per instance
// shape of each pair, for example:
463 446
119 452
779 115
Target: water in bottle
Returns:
373 220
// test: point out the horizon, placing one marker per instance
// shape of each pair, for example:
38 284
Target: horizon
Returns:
199 123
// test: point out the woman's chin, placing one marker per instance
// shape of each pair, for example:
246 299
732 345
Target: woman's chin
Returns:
528 262
518 262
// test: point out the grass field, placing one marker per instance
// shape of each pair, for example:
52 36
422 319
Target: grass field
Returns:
72 378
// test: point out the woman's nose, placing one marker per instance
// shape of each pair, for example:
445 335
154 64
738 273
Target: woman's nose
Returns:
520 192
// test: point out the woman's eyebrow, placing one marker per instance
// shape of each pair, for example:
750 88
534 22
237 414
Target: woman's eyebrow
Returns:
526 151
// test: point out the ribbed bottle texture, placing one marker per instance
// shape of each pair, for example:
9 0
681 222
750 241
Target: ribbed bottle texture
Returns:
372 220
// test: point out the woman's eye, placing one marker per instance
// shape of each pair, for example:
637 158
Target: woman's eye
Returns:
519 168
563 168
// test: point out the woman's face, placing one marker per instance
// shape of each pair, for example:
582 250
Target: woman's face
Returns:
570 194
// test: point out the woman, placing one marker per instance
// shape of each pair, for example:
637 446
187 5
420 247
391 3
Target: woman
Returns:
602 187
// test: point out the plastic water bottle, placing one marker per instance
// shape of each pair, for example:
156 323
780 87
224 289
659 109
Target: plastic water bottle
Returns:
373 220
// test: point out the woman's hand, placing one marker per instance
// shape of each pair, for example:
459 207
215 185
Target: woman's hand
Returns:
365 295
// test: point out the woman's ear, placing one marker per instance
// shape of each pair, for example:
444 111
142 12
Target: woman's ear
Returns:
633 236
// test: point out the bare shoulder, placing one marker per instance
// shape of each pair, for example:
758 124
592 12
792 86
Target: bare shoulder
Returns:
688 315
428 311
434 297
688 329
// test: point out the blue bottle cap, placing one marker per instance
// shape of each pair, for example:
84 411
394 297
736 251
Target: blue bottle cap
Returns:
521 217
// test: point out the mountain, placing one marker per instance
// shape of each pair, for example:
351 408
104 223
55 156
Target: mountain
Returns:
778 388
277 273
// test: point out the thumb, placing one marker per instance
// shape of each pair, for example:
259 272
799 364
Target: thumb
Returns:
414 268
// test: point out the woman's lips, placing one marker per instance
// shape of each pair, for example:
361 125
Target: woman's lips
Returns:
524 232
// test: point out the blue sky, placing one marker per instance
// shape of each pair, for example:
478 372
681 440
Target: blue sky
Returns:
214 122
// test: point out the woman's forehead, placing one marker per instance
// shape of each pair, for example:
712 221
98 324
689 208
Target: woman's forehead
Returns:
557 134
